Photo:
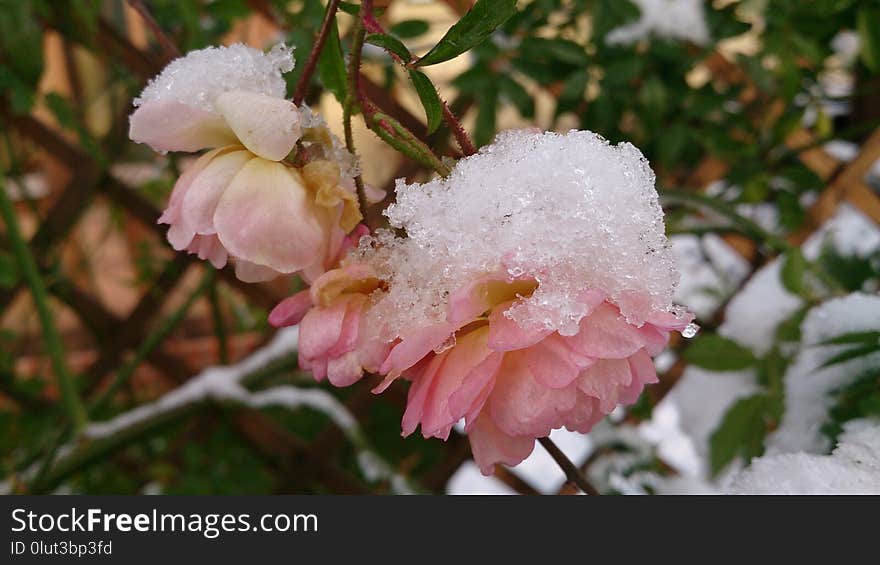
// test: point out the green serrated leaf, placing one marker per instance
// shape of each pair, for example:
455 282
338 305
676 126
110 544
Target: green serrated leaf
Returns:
331 65
390 44
471 30
792 273
430 100
409 28
741 432
717 353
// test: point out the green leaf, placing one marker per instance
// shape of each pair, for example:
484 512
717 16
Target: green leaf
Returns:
858 399
474 80
430 100
621 71
573 88
791 212
567 52
723 22
21 95
390 44
851 353
471 30
409 28
717 353
8 270
21 40
350 8
789 331
742 431
854 337
484 129
517 95
771 370
850 271
792 272
331 65
868 25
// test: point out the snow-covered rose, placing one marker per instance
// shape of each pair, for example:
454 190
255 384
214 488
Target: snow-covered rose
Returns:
242 199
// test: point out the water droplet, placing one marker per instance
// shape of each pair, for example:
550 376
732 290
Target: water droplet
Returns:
690 330
446 345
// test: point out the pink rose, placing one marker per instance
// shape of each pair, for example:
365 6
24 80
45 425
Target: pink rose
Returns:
241 199
334 342
513 385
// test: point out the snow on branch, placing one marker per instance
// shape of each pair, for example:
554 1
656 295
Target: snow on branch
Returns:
227 384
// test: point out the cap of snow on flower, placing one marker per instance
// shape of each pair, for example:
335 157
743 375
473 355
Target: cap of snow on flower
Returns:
533 287
220 96
243 199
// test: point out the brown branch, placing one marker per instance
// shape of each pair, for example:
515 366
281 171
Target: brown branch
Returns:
513 481
302 87
571 472
288 454
461 136
168 46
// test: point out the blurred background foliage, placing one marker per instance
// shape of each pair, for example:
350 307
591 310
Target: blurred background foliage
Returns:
735 126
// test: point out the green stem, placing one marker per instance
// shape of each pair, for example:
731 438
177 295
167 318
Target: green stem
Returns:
397 136
387 128
51 338
329 20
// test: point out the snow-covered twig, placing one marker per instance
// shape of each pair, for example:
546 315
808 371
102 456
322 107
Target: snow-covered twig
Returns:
225 385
